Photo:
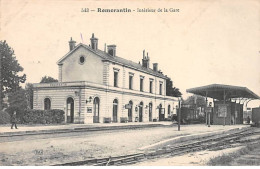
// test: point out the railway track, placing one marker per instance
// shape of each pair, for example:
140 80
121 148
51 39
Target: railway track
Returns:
200 144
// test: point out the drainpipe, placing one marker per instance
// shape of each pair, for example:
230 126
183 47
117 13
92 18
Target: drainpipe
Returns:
79 104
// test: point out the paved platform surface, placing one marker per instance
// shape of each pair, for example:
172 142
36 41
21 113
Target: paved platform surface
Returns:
5 130
26 129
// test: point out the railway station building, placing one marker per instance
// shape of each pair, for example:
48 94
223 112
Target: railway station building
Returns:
97 86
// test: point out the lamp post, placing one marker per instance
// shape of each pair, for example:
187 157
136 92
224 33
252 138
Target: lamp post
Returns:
210 109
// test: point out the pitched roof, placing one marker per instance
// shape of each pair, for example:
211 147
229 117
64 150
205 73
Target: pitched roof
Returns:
115 59
216 91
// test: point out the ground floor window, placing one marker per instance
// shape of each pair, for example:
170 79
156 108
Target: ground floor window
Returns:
47 104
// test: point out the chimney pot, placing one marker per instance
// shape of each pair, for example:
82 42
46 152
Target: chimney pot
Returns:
94 42
72 44
155 67
145 60
111 49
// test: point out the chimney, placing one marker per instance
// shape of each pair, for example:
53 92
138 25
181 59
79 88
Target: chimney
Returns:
111 49
72 44
145 60
94 42
155 67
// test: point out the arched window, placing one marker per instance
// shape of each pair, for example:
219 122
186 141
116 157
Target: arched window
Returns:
47 104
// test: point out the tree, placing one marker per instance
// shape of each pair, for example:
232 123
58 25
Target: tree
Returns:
48 79
17 102
29 94
9 69
176 92
172 91
195 100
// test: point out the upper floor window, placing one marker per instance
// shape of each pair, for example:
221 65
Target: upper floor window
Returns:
115 79
130 82
141 83
116 71
151 86
160 89
82 60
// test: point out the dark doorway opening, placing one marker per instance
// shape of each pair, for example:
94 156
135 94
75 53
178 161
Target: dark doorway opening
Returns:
70 110
141 112
96 110
130 112
115 110
150 112
161 113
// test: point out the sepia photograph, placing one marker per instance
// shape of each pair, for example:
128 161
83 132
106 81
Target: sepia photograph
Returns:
129 83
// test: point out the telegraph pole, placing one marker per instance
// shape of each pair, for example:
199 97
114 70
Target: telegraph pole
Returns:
1 107
179 115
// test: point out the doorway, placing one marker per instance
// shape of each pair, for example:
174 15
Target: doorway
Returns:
96 110
161 113
115 110
130 112
150 112
70 110
141 112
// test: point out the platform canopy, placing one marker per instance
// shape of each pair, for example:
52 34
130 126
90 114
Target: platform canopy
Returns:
219 91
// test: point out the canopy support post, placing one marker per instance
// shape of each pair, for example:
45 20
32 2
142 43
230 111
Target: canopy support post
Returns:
205 108
225 105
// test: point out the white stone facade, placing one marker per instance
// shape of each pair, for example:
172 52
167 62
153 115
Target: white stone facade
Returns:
87 93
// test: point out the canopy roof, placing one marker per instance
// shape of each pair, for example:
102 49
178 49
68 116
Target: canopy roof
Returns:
216 91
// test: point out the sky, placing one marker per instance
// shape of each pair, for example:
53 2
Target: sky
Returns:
207 42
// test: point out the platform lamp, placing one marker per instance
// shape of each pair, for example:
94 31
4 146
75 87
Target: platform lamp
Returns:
210 109
89 100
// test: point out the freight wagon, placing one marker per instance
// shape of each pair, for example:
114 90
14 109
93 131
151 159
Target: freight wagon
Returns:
256 116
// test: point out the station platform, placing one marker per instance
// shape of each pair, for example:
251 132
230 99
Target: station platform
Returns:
59 128
5 130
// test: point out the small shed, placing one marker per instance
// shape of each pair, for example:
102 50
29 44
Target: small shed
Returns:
226 110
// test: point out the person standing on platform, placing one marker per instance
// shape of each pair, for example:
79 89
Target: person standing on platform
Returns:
13 120
248 120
